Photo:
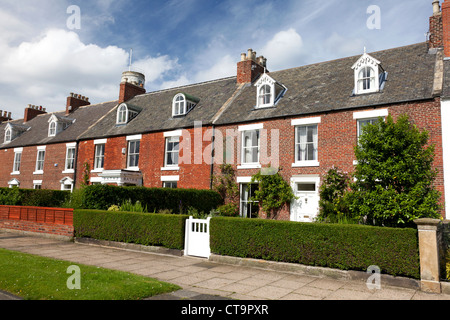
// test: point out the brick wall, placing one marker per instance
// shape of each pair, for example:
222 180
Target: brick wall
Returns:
446 27
337 139
54 166
54 221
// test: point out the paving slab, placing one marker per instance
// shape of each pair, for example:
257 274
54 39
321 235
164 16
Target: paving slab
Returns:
203 279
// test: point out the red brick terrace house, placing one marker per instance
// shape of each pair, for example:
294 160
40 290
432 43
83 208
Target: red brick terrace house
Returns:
305 120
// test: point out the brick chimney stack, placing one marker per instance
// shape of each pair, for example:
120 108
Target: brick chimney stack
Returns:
446 27
5 116
132 85
32 112
436 32
250 67
75 101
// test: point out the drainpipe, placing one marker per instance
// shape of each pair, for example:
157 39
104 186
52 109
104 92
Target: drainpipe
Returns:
213 152
75 166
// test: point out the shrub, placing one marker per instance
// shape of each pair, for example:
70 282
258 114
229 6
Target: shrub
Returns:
102 197
139 228
33 198
228 210
346 247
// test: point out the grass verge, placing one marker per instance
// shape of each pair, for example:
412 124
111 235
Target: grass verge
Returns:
38 278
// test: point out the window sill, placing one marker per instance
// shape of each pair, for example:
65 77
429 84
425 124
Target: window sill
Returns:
132 169
249 166
170 169
38 172
15 173
68 171
306 164
97 170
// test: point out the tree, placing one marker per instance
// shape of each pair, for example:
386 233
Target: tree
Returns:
394 175
333 204
273 192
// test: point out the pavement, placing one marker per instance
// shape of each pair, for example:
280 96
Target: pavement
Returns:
202 279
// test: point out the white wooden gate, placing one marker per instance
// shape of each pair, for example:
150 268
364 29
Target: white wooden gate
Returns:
197 238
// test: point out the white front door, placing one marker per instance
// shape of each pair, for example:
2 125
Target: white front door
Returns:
306 207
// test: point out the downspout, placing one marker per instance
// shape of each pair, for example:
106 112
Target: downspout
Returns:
75 166
213 153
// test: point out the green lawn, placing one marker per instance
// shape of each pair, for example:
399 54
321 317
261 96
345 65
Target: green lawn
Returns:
37 278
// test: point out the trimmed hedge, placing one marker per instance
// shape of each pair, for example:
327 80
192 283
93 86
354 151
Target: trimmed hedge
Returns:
346 247
33 198
139 228
101 197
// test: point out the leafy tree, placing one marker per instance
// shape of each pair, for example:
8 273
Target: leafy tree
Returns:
333 202
394 175
273 192
225 184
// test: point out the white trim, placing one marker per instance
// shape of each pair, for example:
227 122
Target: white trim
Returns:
42 148
100 141
96 180
370 114
244 179
445 116
176 133
18 150
306 121
170 178
301 164
251 127
170 168
135 137
71 145
37 181
249 166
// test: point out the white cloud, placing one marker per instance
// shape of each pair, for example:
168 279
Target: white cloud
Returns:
57 63
284 50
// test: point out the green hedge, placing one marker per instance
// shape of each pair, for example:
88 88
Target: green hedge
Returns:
346 247
139 228
101 197
33 198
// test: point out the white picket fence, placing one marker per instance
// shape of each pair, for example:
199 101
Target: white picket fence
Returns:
197 238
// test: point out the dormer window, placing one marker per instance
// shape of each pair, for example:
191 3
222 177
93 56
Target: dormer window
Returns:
12 131
52 129
269 92
57 124
126 113
8 135
182 104
369 75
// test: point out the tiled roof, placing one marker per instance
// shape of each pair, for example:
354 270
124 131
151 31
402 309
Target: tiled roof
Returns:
328 86
84 118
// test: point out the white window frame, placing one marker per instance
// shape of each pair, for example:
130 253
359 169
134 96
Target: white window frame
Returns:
265 99
243 201
37 183
39 168
52 128
69 147
244 130
179 105
97 156
366 61
17 161
307 122
8 135
170 179
130 155
122 114
176 151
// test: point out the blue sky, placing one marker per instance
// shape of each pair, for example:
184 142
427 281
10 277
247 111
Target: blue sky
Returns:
178 42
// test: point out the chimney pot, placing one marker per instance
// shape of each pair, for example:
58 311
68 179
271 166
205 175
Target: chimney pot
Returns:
9 115
5 114
436 7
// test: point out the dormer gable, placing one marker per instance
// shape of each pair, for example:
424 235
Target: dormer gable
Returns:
126 112
13 131
57 124
369 75
268 91
183 103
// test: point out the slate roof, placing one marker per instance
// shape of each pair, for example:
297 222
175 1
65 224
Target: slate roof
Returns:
311 89
37 135
328 86
156 114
